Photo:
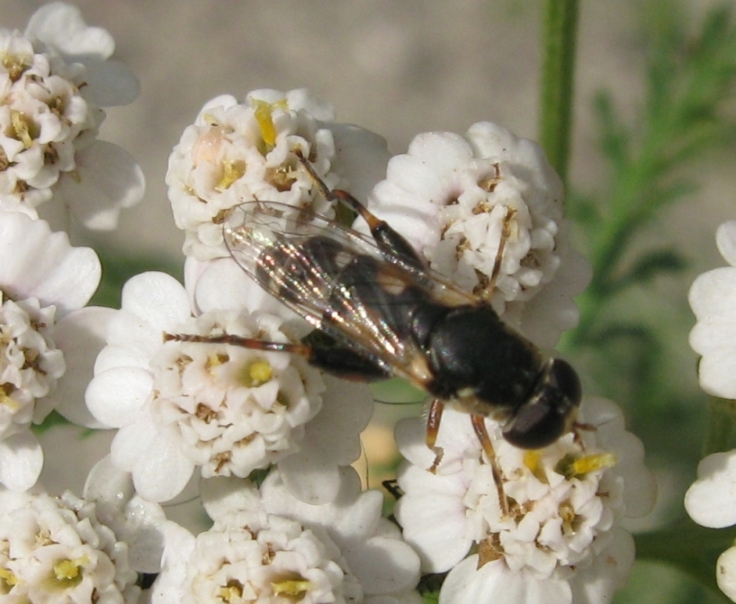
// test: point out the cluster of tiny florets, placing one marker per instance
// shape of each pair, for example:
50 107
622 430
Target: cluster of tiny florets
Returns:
45 119
253 432
56 550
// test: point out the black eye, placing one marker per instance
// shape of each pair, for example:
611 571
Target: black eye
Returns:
550 410
567 380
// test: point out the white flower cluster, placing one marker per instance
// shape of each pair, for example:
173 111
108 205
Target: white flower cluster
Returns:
45 282
208 384
554 527
486 212
266 545
56 550
710 500
50 77
50 115
238 152
224 409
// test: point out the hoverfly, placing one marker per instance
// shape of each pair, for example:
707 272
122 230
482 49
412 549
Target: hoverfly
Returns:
378 312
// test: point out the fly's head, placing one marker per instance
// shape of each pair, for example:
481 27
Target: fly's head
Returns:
549 411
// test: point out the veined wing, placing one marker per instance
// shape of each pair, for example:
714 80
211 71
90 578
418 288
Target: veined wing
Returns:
337 279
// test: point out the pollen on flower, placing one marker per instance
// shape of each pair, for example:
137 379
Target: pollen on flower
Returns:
21 128
257 374
282 178
8 579
6 400
232 170
231 593
535 464
591 463
293 588
264 117
16 65
69 572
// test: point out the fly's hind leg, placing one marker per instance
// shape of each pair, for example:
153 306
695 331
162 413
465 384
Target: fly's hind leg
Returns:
393 247
319 349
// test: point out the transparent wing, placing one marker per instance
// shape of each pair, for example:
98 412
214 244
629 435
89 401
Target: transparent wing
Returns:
337 279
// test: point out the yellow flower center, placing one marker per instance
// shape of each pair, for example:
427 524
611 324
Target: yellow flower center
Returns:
257 374
264 117
292 588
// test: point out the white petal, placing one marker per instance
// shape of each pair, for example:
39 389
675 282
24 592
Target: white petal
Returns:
361 158
331 439
225 495
109 180
142 530
494 582
726 241
347 409
713 294
302 98
36 262
117 397
726 572
640 487
157 298
709 500
597 584
352 516
70 452
162 472
109 486
131 442
537 322
311 476
21 459
223 285
384 565
61 25
72 284
169 587
80 336
410 174
436 528
440 149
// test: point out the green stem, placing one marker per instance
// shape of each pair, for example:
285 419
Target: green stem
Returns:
691 548
558 48
721 415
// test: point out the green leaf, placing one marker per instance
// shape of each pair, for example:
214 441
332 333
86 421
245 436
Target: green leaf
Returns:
118 267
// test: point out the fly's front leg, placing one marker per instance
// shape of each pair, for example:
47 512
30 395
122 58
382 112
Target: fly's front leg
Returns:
479 425
393 246
318 349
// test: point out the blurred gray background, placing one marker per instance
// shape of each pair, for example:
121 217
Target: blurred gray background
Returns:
398 68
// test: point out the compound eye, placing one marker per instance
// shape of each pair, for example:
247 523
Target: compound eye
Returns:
567 381
550 410
535 424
